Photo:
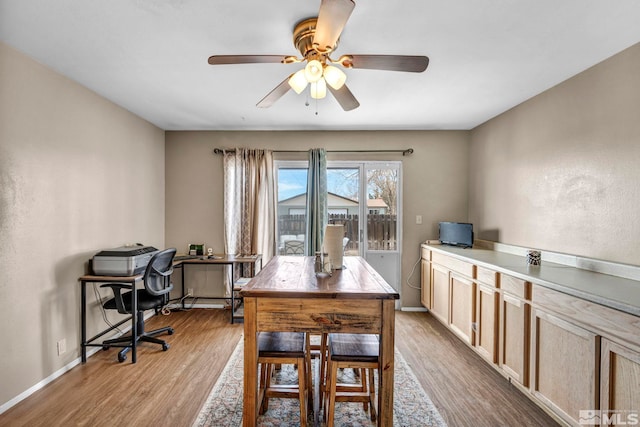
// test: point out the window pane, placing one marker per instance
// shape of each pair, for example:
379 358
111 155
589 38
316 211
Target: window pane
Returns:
343 204
292 193
382 204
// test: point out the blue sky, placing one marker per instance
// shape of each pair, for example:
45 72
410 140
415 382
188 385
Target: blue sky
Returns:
292 182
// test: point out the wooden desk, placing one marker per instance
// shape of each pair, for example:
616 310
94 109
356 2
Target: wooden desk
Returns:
255 260
223 259
89 278
287 296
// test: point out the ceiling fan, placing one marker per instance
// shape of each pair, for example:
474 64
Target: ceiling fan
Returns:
316 39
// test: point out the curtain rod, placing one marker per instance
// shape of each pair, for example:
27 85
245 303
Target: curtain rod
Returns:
405 152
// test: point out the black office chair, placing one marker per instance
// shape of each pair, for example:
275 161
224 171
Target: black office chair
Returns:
157 285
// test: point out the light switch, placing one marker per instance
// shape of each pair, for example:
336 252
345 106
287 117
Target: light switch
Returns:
418 219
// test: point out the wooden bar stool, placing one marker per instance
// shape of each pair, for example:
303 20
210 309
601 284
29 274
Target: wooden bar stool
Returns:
357 351
318 346
279 348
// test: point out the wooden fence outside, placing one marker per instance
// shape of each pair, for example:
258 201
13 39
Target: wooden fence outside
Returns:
381 229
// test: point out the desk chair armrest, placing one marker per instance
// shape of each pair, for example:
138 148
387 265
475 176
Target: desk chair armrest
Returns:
158 275
117 295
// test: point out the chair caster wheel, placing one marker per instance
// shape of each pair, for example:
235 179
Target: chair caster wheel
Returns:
170 331
105 347
122 357
165 347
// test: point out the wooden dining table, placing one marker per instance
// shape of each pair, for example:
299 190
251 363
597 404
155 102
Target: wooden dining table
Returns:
288 296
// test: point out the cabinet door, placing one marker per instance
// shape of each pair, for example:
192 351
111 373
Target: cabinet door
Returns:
565 366
440 293
514 338
620 381
425 284
486 324
462 307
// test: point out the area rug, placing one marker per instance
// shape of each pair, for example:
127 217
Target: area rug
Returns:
223 408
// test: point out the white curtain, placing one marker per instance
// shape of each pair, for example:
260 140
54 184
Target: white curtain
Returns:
249 204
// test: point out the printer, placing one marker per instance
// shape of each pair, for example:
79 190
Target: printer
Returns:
122 261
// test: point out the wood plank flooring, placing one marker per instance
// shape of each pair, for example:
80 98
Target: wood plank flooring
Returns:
168 388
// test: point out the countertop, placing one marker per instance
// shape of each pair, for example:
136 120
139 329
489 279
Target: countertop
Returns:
604 289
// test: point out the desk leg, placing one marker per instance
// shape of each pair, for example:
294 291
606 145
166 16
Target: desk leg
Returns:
134 322
250 400
83 316
385 385
182 267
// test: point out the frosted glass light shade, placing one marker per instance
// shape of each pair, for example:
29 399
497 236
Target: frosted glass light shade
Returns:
313 71
334 76
319 89
298 81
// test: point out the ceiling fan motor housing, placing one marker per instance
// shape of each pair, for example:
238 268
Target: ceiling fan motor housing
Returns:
303 34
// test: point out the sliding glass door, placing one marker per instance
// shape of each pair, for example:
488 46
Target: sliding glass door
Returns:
291 210
363 196
383 213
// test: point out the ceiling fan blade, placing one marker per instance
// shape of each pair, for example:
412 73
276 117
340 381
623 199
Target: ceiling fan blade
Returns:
277 93
332 18
413 64
344 97
249 59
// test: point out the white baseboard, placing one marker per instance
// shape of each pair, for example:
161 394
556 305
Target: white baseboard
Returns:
414 309
188 306
66 368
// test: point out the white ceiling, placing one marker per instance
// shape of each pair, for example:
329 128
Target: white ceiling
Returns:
150 56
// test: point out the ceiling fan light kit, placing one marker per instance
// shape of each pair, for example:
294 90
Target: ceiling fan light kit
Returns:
318 89
298 81
313 71
334 76
315 39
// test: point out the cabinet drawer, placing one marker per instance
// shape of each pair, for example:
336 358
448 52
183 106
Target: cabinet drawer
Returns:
604 320
425 254
454 264
514 286
487 277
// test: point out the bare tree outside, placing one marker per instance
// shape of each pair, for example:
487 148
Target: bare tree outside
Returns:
383 184
344 182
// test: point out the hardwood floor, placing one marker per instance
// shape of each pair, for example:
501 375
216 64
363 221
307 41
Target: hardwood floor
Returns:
464 388
168 388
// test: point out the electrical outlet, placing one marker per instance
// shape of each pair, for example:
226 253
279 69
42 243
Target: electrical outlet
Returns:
418 219
62 346
190 291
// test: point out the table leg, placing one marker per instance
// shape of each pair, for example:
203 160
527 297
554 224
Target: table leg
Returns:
250 400
83 315
385 385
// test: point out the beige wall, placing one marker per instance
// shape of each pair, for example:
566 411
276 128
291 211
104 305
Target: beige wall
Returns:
562 171
435 184
77 174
